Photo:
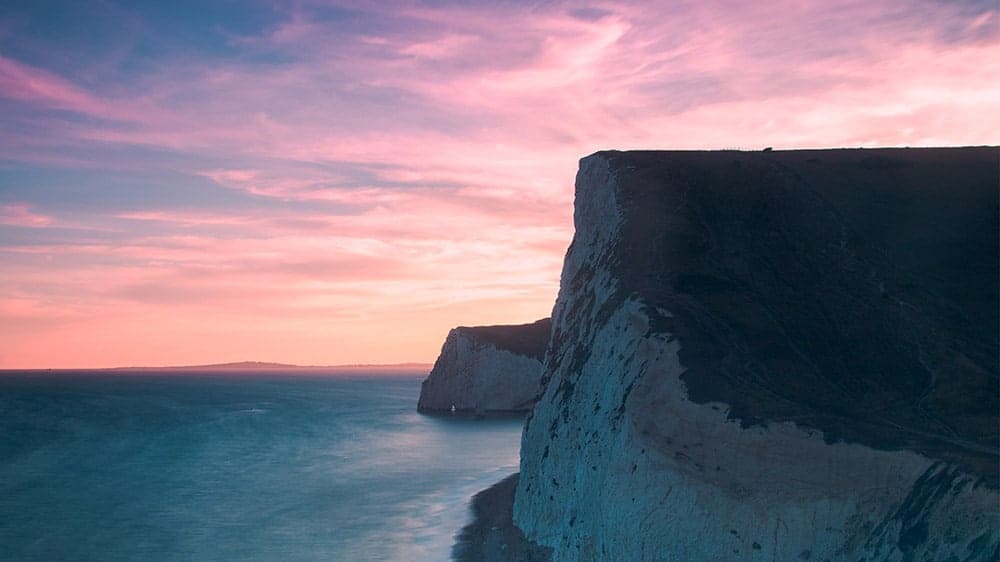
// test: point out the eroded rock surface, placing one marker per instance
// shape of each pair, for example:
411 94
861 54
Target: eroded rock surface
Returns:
487 369
773 356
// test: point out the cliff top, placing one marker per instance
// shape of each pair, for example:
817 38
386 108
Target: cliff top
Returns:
529 340
851 290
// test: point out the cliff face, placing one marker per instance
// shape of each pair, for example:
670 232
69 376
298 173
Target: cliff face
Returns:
487 369
773 356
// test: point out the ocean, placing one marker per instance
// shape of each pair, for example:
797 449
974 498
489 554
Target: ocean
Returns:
216 467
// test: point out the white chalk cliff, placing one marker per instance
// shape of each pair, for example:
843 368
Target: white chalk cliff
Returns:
772 356
487 369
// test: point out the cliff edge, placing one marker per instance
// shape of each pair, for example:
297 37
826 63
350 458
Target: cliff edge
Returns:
773 356
487 369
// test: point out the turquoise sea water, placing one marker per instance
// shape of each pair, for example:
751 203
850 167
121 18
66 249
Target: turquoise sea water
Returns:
236 467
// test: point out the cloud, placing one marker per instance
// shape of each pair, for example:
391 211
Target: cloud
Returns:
330 170
22 82
20 214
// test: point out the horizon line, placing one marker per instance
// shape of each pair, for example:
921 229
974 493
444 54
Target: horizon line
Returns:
235 366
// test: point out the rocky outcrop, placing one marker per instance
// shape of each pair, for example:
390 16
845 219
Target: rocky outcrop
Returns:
773 356
487 369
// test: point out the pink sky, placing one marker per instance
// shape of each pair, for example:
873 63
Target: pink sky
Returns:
343 183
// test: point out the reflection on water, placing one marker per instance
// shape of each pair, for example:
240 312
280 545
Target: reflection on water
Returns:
231 467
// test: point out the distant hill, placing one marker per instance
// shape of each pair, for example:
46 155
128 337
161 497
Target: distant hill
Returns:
267 366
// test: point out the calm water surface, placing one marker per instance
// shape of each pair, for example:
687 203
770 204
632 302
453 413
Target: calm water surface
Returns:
236 467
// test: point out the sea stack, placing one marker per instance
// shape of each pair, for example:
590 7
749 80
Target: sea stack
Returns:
780 355
487 370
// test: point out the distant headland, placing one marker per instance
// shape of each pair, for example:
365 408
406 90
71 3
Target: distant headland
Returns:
256 366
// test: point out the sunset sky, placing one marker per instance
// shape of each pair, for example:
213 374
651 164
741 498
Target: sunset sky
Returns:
324 182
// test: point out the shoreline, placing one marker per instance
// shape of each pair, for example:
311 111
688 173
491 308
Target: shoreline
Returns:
492 536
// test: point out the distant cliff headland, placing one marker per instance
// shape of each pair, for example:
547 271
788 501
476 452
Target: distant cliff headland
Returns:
487 370
772 356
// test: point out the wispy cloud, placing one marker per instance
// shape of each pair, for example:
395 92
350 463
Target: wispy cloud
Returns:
21 214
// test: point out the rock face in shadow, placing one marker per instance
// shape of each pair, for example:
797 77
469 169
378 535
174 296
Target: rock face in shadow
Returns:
773 356
487 369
